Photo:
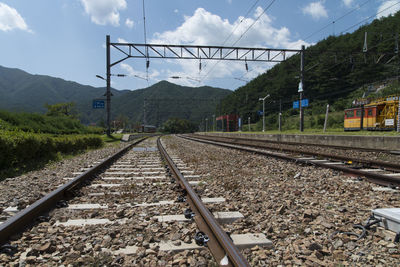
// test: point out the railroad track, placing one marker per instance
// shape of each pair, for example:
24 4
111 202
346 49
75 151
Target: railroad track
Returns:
129 210
379 172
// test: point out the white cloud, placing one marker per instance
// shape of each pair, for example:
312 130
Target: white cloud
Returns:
205 28
104 12
348 3
388 8
316 10
10 19
129 23
153 74
120 40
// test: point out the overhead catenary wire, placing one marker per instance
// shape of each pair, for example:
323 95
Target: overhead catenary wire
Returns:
368 18
235 28
242 35
334 21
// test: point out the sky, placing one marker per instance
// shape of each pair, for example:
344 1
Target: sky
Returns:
66 38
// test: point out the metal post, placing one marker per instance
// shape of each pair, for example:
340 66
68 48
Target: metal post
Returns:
302 87
398 117
264 115
108 78
213 122
249 124
326 117
280 114
206 124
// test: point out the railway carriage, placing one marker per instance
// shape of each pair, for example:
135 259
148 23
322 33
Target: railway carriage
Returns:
379 114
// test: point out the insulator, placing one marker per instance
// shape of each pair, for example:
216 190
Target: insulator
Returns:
147 64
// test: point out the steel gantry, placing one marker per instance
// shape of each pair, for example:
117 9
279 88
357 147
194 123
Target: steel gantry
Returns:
164 51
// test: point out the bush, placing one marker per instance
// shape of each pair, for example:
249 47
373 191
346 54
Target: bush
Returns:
19 148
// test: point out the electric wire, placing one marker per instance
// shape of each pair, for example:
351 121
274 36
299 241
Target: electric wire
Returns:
334 21
237 25
366 19
241 36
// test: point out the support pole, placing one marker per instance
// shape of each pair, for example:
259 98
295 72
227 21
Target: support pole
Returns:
249 124
326 117
280 115
263 115
398 117
301 87
108 93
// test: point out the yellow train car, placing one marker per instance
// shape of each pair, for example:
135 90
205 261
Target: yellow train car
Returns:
378 114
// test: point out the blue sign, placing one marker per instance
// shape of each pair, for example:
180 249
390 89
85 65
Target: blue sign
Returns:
260 112
304 103
98 103
240 122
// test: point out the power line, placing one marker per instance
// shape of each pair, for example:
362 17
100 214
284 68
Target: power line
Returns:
234 29
254 22
370 17
334 21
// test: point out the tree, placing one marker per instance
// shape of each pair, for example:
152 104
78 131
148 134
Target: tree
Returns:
175 125
62 109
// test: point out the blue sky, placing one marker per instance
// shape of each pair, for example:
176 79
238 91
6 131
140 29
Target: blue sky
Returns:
66 38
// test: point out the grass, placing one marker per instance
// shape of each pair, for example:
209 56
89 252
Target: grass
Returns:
111 140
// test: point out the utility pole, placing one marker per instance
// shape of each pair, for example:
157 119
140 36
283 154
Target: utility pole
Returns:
108 78
263 100
249 123
301 87
144 112
280 114
326 117
213 122
206 124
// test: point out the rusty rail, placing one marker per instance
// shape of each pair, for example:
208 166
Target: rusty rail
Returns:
260 144
221 246
380 179
27 216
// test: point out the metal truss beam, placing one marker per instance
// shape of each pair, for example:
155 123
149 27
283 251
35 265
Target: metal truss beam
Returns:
163 51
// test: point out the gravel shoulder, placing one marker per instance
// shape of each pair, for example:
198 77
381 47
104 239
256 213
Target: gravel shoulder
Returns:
300 208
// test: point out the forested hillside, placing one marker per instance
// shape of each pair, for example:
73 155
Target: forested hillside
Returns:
336 69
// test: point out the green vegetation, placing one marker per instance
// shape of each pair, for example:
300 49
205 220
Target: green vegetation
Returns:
175 126
336 72
38 123
22 151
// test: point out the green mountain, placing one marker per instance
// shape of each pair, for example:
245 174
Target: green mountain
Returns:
21 91
165 100
338 69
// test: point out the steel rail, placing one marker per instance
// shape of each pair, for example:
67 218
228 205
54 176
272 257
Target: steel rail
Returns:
380 179
220 244
253 143
27 216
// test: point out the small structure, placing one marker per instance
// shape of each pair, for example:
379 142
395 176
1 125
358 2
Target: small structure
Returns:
227 123
147 129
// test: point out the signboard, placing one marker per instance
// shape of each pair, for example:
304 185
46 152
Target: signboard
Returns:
98 103
389 122
300 87
240 123
304 103
260 112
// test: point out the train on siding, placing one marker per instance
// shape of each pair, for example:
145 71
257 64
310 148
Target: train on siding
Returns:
379 114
